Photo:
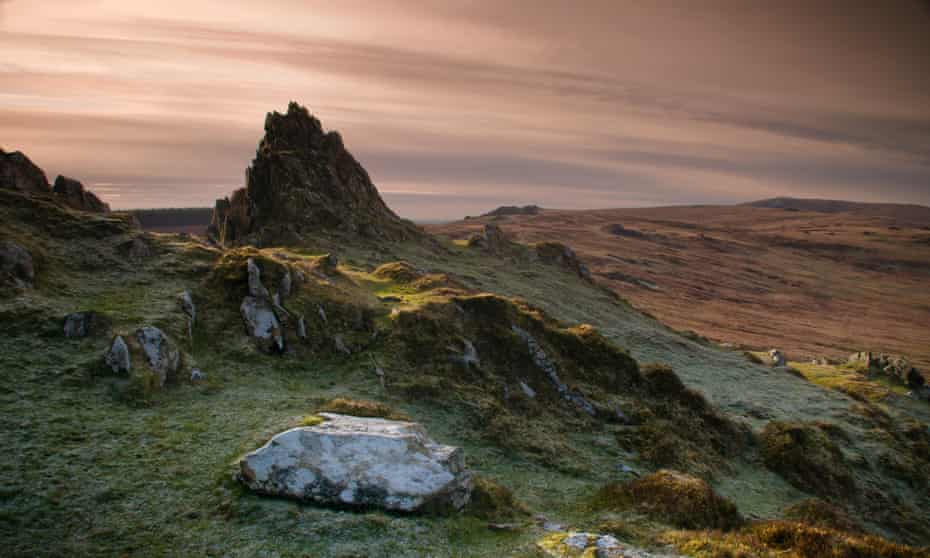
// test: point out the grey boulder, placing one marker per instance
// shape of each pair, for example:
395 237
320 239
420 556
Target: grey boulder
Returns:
83 324
117 356
162 355
360 462
262 324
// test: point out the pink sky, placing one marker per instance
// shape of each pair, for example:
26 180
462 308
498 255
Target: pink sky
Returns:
457 107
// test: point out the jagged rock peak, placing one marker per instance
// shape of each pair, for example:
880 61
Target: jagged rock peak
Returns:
303 180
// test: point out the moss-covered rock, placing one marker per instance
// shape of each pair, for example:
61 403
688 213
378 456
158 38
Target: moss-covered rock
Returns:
493 501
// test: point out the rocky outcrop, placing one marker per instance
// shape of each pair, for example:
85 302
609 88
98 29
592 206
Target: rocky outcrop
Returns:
897 368
360 462
491 239
72 193
556 253
303 180
16 266
85 324
186 303
506 210
161 354
547 365
17 172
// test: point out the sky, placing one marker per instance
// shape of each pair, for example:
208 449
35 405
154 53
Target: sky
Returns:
456 107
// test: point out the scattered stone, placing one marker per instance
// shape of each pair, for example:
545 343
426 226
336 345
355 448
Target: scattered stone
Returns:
898 368
527 390
72 193
778 358
578 545
83 324
360 462
163 357
322 313
284 288
186 302
117 356
301 328
467 357
340 344
256 289
303 180
262 324
16 267
197 375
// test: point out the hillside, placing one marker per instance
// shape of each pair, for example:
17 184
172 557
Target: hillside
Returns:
578 417
907 214
810 283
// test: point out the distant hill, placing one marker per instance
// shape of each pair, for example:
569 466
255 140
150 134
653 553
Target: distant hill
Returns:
911 213
192 220
506 210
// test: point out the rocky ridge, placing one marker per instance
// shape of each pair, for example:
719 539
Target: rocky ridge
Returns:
303 180
18 172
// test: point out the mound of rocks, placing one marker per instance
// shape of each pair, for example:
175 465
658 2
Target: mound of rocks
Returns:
304 180
896 367
160 356
360 462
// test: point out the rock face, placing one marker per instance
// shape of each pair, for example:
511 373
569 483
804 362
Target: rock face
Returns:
72 193
304 180
163 357
16 267
84 324
17 172
561 255
360 462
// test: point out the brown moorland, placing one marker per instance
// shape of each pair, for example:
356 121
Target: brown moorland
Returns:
813 278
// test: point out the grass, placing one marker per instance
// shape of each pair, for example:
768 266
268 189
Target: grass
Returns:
85 473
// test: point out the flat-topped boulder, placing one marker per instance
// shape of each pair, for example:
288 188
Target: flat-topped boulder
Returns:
360 462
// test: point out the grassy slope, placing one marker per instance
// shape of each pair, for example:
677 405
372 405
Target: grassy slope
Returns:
85 473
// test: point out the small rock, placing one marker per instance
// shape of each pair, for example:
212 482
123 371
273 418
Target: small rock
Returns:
301 328
163 357
322 313
117 356
778 358
256 289
262 324
197 375
284 289
16 265
527 390
340 344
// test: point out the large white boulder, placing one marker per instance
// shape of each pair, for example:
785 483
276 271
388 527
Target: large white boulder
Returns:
360 462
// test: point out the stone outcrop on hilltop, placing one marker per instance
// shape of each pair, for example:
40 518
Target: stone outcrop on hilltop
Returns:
303 180
19 173
72 193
